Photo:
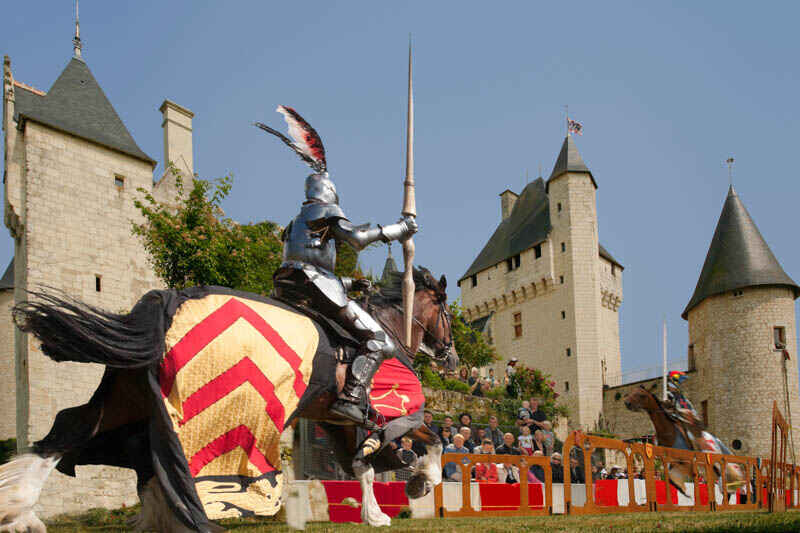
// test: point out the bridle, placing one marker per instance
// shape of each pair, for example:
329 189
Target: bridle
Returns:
441 349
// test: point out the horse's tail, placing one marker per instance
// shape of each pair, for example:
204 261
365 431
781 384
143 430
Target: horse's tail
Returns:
71 330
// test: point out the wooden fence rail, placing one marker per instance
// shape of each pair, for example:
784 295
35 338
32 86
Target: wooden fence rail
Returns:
771 484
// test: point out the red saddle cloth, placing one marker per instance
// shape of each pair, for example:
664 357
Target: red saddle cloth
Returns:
396 390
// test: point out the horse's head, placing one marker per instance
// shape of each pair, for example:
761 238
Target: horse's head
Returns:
640 398
432 315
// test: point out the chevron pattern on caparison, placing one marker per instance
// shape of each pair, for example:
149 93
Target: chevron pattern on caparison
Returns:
234 370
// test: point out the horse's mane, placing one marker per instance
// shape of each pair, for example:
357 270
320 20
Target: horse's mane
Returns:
391 292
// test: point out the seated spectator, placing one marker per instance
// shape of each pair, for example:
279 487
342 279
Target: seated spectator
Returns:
469 444
494 432
463 375
474 382
446 436
480 434
557 468
596 474
465 419
486 471
491 380
576 474
538 442
508 448
427 418
452 471
525 440
524 414
447 422
549 437
407 455
537 417
536 472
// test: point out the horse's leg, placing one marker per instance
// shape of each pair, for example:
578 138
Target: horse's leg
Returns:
429 468
21 482
370 510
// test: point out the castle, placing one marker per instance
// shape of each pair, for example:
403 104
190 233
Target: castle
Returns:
71 173
545 291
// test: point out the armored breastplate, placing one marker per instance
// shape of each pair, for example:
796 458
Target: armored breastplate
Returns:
308 238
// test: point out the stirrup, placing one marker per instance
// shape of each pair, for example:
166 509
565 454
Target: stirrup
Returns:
353 412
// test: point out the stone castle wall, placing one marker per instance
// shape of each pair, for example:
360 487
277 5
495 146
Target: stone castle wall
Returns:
8 390
77 230
560 298
622 422
739 373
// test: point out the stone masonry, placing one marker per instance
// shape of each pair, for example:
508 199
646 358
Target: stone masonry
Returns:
566 301
69 207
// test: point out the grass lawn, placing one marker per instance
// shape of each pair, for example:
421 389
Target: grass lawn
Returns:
706 522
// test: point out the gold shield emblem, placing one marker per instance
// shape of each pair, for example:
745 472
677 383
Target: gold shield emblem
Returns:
648 450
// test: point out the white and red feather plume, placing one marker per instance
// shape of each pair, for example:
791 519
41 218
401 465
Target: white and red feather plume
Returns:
304 139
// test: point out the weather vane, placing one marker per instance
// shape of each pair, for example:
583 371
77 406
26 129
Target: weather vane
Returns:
730 161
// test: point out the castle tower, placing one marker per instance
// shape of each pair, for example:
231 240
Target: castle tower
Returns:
741 320
72 170
548 291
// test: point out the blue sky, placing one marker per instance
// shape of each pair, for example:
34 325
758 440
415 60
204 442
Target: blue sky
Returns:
666 92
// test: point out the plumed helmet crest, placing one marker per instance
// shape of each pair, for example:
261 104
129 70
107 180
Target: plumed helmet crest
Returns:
305 140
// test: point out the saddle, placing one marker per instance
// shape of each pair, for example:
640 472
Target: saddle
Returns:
340 338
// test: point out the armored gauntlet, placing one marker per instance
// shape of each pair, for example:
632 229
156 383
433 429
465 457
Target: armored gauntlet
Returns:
399 231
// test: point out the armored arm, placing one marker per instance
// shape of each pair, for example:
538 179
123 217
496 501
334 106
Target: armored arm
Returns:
360 237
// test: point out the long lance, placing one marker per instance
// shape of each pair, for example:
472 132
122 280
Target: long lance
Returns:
409 210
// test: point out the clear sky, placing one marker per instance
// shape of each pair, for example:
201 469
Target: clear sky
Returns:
665 91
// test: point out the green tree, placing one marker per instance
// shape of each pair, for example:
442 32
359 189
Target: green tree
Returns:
471 345
190 241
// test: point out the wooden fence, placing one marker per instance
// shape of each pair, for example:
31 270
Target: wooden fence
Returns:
769 483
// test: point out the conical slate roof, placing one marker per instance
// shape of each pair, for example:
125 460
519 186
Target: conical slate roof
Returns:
77 105
7 281
569 160
738 257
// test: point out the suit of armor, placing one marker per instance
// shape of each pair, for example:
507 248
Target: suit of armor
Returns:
309 259
683 408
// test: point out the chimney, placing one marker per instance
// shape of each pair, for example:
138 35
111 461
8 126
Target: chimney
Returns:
177 126
508 199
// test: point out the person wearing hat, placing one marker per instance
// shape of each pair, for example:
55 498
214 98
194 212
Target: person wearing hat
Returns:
510 368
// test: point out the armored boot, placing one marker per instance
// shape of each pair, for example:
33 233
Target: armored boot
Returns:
353 401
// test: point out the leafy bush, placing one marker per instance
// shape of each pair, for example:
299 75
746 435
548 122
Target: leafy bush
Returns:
455 385
429 378
472 348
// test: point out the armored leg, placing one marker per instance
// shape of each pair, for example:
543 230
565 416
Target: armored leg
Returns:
353 402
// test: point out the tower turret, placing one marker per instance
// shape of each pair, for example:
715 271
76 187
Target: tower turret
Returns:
741 326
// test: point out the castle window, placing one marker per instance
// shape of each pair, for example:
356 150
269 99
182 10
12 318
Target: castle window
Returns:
97 285
559 207
561 279
737 293
119 181
566 386
613 270
779 337
563 247
537 251
563 315
517 325
474 280
513 262
704 412
692 365
569 352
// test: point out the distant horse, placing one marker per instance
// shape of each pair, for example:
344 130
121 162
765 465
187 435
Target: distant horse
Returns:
672 434
199 385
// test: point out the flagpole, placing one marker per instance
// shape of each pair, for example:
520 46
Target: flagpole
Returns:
664 379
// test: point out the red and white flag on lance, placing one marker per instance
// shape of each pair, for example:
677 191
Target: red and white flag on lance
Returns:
573 126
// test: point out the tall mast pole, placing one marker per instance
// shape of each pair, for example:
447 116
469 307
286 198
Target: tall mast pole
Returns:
664 376
76 41
409 210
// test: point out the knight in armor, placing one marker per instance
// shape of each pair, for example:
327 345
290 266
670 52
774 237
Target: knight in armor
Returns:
682 407
309 258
